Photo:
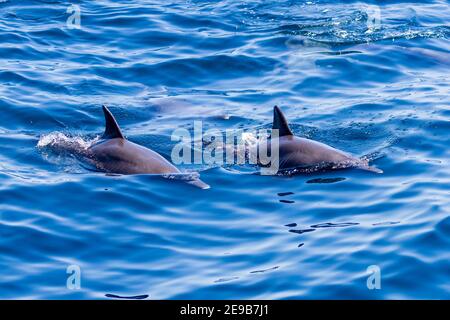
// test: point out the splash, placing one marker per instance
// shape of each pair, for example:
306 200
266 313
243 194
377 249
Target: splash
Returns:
66 151
326 166
373 156
60 142
183 176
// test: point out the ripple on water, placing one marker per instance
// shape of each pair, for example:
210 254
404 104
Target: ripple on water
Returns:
377 91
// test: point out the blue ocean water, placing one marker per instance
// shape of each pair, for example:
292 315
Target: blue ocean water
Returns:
365 77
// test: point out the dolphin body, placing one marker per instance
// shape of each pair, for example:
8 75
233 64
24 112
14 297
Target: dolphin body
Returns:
115 154
296 152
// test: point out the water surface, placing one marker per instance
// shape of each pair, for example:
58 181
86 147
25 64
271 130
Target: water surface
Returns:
361 84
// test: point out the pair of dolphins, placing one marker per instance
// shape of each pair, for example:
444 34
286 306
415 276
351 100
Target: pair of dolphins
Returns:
115 154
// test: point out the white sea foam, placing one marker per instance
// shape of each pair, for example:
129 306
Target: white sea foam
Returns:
59 140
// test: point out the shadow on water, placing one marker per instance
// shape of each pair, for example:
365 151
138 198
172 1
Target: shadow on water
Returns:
138 297
325 180
327 225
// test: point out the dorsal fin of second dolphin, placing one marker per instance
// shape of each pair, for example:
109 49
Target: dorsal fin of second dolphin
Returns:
280 123
112 129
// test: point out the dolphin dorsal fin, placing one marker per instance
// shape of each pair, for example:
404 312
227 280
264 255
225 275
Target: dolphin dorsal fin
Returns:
112 129
280 123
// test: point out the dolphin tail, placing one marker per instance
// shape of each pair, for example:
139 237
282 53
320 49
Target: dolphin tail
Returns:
370 168
199 184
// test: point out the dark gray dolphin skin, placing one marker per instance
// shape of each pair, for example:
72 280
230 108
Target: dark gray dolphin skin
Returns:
297 152
115 154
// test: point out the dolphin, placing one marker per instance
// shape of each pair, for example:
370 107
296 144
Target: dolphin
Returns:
115 154
296 152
